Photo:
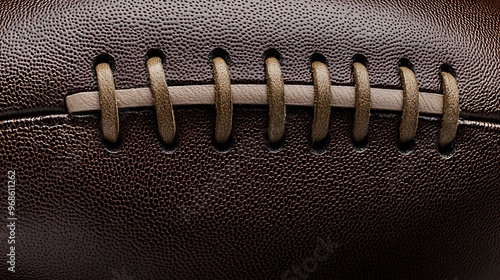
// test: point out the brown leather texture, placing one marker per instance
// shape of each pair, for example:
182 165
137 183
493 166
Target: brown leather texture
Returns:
48 48
251 213
143 211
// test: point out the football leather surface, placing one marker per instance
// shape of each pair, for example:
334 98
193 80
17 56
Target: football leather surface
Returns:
85 209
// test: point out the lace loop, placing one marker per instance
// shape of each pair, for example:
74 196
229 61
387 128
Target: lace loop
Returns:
108 103
322 101
409 119
223 101
276 99
161 98
363 102
451 110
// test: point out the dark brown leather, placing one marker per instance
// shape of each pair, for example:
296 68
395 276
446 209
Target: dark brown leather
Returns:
144 212
48 47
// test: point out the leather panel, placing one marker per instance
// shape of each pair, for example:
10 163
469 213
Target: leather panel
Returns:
141 212
47 48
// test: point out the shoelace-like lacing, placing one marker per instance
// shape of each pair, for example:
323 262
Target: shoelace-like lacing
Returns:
276 100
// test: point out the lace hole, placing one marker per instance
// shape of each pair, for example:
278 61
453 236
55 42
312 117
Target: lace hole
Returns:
448 69
155 53
110 146
223 148
406 148
322 146
447 151
318 57
104 58
405 62
218 52
273 53
274 147
360 146
169 148
361 59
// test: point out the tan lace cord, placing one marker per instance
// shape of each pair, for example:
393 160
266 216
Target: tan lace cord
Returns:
161 97
409 119
322 101
276 100
321 96
384 99
107 102
451 110
223 101
363 102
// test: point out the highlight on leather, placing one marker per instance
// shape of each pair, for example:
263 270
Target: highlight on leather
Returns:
161 97
322 101
451 110
363 102
223 101
276 99
409 118
108 102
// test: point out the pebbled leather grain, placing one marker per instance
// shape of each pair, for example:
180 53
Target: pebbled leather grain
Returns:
47 48
145 212
249 213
